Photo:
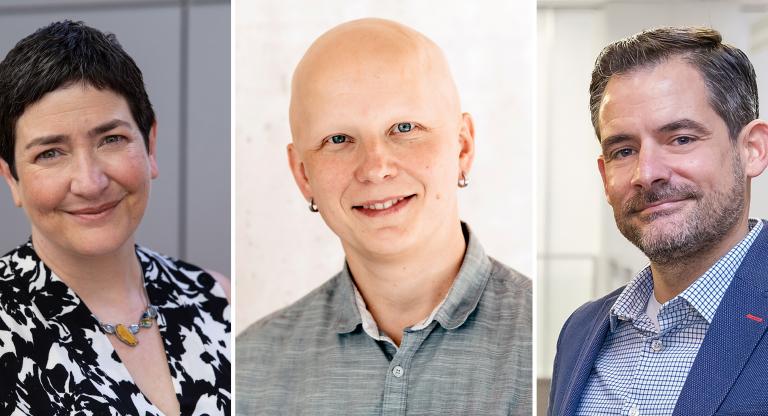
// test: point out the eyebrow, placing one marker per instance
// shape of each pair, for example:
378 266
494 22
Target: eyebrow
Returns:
612 140
60 138
684 124
46 140
105 127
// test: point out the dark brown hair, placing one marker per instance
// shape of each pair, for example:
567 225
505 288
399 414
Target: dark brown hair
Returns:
727 72
59 55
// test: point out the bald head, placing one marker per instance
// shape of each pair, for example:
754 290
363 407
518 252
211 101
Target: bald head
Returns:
360 61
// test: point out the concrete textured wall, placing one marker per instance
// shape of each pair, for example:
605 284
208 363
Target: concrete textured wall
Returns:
283 250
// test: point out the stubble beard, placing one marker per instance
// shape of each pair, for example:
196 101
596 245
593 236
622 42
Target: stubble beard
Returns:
710 219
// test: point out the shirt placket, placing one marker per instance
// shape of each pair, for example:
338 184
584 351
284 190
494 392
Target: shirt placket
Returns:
652 357
400 371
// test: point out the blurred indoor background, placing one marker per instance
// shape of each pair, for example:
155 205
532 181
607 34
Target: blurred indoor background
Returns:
581 254
183 50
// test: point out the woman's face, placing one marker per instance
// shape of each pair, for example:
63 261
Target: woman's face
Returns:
83 170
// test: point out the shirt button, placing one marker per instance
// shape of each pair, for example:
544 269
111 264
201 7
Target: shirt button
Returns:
656 345
634 411
398 371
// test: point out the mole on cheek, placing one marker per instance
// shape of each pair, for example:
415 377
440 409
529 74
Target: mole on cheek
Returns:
437 196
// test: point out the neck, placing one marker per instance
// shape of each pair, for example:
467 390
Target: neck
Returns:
403 290
111 285
671 279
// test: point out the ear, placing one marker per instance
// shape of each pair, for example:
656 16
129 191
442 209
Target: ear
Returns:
754 148
601 168
153 150
466 143
299 171
13 184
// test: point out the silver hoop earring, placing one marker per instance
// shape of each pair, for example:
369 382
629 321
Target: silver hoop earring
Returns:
312 205
463 181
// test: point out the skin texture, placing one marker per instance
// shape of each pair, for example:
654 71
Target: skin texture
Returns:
84 188
375 117
678 186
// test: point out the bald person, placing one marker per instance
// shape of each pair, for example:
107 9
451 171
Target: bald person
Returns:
419 320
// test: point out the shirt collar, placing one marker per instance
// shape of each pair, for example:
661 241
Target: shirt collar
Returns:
452 312
704 294
707 291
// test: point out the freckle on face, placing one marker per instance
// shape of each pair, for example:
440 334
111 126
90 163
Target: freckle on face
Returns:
437 196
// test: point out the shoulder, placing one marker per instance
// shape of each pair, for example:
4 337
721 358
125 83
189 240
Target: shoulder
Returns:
21 274
506 303
312 313
510 277
510 285
184 276
18 261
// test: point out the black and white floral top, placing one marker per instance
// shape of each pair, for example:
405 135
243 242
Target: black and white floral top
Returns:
55 359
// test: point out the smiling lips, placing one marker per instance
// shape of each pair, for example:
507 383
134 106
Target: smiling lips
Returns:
383 207
658 209
94 212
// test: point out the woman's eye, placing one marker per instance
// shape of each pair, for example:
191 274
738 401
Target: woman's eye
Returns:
112 139
48 154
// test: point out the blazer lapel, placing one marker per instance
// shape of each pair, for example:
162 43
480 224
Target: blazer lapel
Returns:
589 351
739 324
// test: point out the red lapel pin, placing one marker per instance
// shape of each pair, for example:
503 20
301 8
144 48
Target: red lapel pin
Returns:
754 318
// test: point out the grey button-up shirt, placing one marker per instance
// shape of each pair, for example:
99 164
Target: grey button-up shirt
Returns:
473 358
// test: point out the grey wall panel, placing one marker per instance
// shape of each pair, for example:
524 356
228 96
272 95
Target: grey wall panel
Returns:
208 138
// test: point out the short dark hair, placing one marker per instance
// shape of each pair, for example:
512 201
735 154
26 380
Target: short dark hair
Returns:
59 55
727 72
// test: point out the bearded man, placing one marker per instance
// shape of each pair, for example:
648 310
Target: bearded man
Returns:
675 111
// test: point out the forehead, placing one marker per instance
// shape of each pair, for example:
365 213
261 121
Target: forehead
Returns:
655 95
366 72
69 108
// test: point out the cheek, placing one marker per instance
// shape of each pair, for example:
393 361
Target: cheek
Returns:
328 176
438 169
131 170
43 191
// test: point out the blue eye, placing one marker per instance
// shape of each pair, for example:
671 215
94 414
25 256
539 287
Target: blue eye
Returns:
622 153
338 139
404 127
684 139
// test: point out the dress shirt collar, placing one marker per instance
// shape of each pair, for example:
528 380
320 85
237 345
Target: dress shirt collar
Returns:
452 312
704 294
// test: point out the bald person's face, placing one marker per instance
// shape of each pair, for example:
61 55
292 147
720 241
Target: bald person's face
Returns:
379 141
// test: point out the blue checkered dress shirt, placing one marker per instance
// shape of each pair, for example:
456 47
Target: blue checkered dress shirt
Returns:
640 371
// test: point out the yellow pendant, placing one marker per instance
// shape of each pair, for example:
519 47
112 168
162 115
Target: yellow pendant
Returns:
125 335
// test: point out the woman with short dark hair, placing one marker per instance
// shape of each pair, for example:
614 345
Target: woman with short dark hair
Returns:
91 323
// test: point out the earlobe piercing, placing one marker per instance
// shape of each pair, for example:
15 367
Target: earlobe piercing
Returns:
312 205
463 181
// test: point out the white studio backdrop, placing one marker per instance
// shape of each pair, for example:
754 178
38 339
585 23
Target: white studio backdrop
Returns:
284 251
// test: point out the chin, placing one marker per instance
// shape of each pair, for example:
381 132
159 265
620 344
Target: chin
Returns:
390 242
93 243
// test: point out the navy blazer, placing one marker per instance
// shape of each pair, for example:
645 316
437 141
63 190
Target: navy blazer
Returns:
730 373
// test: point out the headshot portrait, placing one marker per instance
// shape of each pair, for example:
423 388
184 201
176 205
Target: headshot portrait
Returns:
666 309
96 315
383 281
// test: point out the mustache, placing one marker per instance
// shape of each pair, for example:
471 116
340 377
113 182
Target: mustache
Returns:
662 192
